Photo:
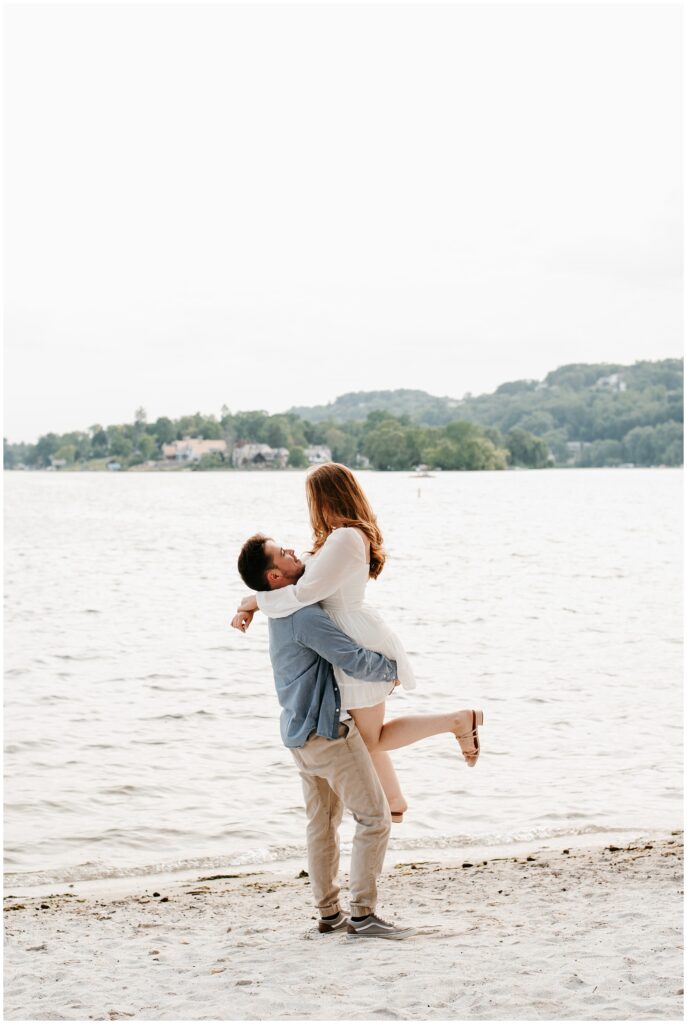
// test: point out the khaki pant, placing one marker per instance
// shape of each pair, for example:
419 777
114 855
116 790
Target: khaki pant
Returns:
337 774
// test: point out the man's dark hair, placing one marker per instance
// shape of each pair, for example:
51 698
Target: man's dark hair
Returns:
254 563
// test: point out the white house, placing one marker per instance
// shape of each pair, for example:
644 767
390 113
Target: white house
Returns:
246 453
317 454
192 449
614 382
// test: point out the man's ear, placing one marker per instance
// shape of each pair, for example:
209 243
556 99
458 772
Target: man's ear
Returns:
273 576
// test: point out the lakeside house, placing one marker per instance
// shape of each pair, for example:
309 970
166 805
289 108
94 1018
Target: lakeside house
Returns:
614 382
192 449
247 453
575 449
317 454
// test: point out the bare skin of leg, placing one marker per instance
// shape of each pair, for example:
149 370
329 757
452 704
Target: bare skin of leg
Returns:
380 736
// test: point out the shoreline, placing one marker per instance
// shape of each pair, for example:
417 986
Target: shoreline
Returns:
194 468
577 932
141 880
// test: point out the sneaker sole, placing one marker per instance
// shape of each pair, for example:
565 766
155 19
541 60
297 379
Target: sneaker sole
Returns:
392 936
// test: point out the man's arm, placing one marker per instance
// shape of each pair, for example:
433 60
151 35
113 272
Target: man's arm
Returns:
314 629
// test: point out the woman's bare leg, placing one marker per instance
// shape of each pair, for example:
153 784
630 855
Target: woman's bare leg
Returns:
380 736
370 722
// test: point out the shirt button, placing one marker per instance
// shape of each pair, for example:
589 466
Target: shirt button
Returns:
337 709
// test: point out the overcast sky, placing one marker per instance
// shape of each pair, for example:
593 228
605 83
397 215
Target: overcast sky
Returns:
269 206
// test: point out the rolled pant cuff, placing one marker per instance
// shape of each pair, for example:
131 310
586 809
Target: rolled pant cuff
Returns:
330 909
360 910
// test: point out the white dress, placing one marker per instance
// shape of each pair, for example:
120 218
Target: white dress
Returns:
336 577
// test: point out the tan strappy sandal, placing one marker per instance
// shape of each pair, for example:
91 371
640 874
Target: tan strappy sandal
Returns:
472 755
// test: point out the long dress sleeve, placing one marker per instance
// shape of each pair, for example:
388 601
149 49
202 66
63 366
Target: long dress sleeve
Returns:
340 557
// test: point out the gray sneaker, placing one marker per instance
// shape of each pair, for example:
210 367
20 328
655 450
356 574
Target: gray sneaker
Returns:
336 925
372 927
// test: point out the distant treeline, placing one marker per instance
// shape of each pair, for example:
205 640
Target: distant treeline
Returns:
386 441
595 414
579 415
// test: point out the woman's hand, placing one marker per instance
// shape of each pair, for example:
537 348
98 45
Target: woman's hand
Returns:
249 604
242 620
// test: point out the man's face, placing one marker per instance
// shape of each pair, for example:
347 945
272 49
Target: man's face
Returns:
286 568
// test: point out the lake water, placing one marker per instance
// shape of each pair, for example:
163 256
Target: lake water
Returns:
142 732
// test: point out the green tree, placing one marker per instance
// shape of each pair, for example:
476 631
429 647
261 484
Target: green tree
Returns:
602 453
277 432
297 458
9 456
146 447
212 460
46 447
99 442
120 445
164 430
393 446
527 450
343 445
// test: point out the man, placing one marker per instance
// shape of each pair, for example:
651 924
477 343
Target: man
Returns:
334 764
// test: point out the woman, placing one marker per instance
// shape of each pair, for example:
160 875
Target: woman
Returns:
347 551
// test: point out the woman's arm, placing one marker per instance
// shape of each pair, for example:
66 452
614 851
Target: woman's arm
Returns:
341 556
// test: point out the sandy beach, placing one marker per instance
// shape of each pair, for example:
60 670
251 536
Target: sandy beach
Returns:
581 933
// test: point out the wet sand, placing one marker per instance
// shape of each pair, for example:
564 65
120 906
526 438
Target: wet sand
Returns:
593 934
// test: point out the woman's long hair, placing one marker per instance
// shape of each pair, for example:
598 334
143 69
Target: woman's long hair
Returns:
335 498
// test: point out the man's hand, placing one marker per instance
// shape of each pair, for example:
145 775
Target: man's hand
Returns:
249 604
242 620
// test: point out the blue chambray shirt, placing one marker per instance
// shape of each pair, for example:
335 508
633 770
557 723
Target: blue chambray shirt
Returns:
303 648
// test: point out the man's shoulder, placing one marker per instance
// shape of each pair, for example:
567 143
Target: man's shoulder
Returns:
311 613
300 619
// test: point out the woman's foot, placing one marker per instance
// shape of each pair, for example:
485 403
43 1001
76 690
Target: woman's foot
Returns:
465 730
398 810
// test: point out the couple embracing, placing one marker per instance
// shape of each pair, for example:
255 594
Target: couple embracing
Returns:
335 662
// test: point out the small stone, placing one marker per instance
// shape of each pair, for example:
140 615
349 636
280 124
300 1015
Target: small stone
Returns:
531 858
156 894
45 906
301 874
154 952
467 864
613 849
165 899
566 851
229 928
244 981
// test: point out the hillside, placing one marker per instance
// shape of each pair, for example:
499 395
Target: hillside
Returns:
612 412
419 406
